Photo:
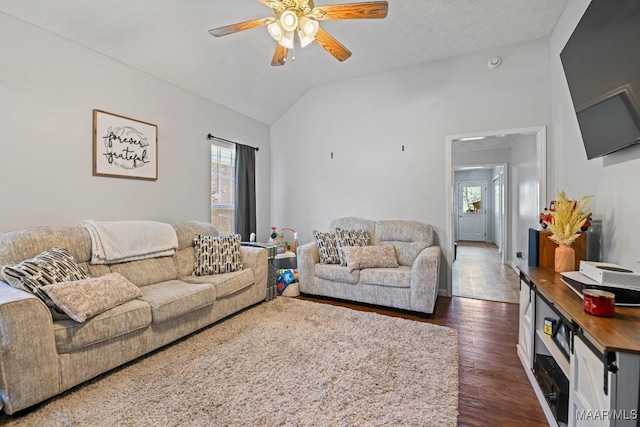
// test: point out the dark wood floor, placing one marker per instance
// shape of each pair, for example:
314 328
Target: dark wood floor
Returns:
494 389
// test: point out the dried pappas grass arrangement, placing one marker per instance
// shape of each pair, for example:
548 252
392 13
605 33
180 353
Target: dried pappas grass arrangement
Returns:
568 218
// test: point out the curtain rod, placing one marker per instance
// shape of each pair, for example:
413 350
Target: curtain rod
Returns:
209 136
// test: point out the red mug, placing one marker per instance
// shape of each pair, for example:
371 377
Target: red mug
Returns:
599 303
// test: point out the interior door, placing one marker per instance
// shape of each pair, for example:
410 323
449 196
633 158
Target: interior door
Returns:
472 212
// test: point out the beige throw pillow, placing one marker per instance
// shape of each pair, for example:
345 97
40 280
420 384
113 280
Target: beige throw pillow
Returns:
83 299
361 257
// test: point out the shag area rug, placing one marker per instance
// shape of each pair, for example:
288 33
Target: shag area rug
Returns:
285 362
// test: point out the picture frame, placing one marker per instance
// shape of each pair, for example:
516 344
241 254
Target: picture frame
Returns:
562 337
124 147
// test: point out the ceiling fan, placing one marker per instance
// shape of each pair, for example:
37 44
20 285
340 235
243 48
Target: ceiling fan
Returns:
301 17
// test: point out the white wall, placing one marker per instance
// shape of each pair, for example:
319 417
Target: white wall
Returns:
366 121
48 89
613 180
523 176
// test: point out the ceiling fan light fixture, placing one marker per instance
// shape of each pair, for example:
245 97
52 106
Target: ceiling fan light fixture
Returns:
287 39
307 32
276 31
309 26
289 20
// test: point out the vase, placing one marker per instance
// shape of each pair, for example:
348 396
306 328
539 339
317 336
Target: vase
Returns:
565 259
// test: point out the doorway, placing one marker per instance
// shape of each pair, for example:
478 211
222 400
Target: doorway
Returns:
516 191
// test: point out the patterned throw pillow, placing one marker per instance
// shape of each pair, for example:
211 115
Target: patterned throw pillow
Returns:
83 299
350 238
53 266
216 254
327 249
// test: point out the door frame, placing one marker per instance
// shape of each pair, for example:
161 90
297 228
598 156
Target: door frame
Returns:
541 166
501 192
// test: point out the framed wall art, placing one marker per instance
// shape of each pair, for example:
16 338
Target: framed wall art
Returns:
124 147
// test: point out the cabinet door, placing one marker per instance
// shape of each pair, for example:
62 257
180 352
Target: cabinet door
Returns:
588 404
526 326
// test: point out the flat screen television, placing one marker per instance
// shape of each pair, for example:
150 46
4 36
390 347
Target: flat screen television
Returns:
601 62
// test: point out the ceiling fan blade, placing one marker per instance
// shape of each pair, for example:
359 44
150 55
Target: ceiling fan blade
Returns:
247 25
331 45
280 55
366 10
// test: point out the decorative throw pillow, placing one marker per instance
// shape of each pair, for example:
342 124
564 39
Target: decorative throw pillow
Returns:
86 298
361 257
216 254
53 266
327 249
350 238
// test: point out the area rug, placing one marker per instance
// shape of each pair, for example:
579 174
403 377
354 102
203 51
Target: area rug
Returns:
285 362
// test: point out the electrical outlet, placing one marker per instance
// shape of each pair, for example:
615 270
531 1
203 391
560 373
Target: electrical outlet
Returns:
519 255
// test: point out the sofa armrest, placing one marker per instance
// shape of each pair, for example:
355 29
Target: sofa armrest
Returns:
256 259
425 273
28 354
308 257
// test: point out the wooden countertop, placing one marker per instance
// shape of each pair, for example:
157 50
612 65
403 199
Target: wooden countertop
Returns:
619 333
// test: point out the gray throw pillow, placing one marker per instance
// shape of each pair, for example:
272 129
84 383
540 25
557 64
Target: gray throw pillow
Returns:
361 257
83 299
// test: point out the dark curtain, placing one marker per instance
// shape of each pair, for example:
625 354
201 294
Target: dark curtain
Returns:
245 191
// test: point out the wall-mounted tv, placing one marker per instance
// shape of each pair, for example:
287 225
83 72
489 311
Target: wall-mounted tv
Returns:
601 62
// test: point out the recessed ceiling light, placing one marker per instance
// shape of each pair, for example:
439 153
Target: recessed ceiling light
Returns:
472 138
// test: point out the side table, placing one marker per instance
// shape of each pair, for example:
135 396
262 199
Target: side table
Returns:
272 276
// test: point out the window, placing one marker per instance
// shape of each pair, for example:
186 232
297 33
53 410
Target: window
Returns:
472 199
223 187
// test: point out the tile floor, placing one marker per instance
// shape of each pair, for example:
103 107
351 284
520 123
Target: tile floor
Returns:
478 273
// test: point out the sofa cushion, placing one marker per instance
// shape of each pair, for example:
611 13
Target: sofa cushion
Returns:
408 237
350 238
120 320
336 273
53 266
399 277
407 252
361 257
226 284
327 247
216 254
86 298
147 271
174 298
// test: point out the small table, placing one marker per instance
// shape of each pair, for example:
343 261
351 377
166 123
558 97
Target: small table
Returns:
286 260
272 251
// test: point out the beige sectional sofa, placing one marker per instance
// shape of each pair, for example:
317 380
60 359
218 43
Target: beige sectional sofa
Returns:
41 357
412 285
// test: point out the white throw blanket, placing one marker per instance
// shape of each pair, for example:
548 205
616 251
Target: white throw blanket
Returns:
121 241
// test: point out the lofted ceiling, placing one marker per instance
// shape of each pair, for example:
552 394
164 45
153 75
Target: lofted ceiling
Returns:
169 39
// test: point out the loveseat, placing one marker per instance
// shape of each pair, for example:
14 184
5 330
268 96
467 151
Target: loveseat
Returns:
400 269
41 357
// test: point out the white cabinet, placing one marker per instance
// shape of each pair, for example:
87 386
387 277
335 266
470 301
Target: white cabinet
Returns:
526 329
591 377
600 397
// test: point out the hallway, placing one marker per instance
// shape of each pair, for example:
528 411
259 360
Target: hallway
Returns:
478 273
